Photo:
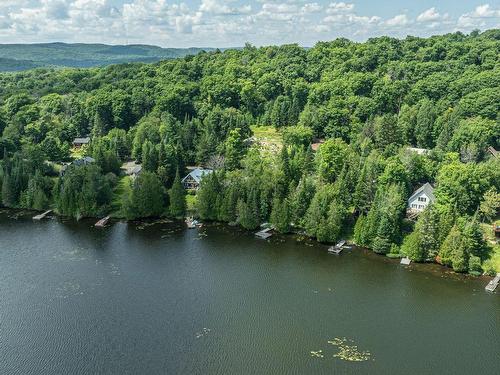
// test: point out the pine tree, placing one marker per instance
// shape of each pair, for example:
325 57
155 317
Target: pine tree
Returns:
280 215
177 196
207 197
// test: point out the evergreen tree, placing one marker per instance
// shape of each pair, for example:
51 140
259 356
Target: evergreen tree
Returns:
280 215
147 198
206 202
177 196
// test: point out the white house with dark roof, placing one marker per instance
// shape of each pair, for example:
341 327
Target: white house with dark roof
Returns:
421 198
193 179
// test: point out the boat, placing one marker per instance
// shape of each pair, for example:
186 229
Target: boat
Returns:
405 261
337 249
102 223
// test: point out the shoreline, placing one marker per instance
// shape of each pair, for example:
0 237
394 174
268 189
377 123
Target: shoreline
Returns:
298 237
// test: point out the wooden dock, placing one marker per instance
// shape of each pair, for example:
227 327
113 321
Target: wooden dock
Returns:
42 215
492 285
337 249
264 233
102 223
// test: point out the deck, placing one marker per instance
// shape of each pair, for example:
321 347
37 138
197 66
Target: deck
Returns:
264 233
492 285
337 249
42 215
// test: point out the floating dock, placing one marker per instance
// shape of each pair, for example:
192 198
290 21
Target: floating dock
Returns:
337 249
264 233
492 285
102 223
42 215
405 261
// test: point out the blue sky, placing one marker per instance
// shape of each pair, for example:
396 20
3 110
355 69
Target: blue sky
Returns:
228 23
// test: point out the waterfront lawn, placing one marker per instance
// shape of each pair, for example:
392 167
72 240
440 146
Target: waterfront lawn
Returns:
494 262
122 187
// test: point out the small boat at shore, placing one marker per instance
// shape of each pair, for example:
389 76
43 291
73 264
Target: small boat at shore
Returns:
337 249
193 223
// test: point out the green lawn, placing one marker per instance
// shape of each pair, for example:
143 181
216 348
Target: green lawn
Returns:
267 134
191 203
123 186
494 261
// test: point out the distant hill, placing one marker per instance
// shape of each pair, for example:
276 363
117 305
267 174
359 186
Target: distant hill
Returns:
16 57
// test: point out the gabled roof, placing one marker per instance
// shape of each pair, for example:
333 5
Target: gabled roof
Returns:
427 189
83 141
197 174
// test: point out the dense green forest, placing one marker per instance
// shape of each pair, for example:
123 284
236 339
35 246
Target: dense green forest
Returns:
17 57
367 103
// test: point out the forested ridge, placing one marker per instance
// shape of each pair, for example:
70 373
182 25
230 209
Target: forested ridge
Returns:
18 57
252 115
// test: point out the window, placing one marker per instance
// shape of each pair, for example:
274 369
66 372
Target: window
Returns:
421 206
413 205
422 199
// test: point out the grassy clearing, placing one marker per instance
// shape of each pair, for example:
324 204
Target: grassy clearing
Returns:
122 187
494 261
267 135
191 203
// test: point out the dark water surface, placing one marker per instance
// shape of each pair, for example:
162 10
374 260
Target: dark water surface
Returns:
164 300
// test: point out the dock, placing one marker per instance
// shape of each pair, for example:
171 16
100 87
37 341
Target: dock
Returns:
264 233
102 223
405 261
492 285
42 215
337 249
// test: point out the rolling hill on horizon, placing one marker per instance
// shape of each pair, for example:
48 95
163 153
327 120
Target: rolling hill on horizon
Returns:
18 57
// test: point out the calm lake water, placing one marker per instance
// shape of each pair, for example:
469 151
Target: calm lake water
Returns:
161 299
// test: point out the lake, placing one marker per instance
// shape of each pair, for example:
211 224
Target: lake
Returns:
162 299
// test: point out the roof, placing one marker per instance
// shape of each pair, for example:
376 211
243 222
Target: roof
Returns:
84 140
197 174
492 151
136 170
83 161
427 189
420 151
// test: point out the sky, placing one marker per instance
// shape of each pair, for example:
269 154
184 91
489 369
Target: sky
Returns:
232 23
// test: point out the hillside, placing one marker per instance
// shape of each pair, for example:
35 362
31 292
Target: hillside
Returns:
17 57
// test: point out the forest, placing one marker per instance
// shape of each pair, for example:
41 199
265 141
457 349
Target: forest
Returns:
317 141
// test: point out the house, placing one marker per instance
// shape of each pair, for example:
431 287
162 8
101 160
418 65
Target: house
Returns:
80 142
421 198
78 162
132 169
419 151
193 179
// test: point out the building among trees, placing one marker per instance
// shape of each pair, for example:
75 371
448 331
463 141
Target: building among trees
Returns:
193 180
421 198
80 142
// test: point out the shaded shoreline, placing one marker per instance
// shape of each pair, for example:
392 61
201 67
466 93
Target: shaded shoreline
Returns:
433 269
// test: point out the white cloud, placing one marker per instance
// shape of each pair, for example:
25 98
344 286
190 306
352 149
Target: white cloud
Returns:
480 17
222 7
430 15
311 8
399 20
340 7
